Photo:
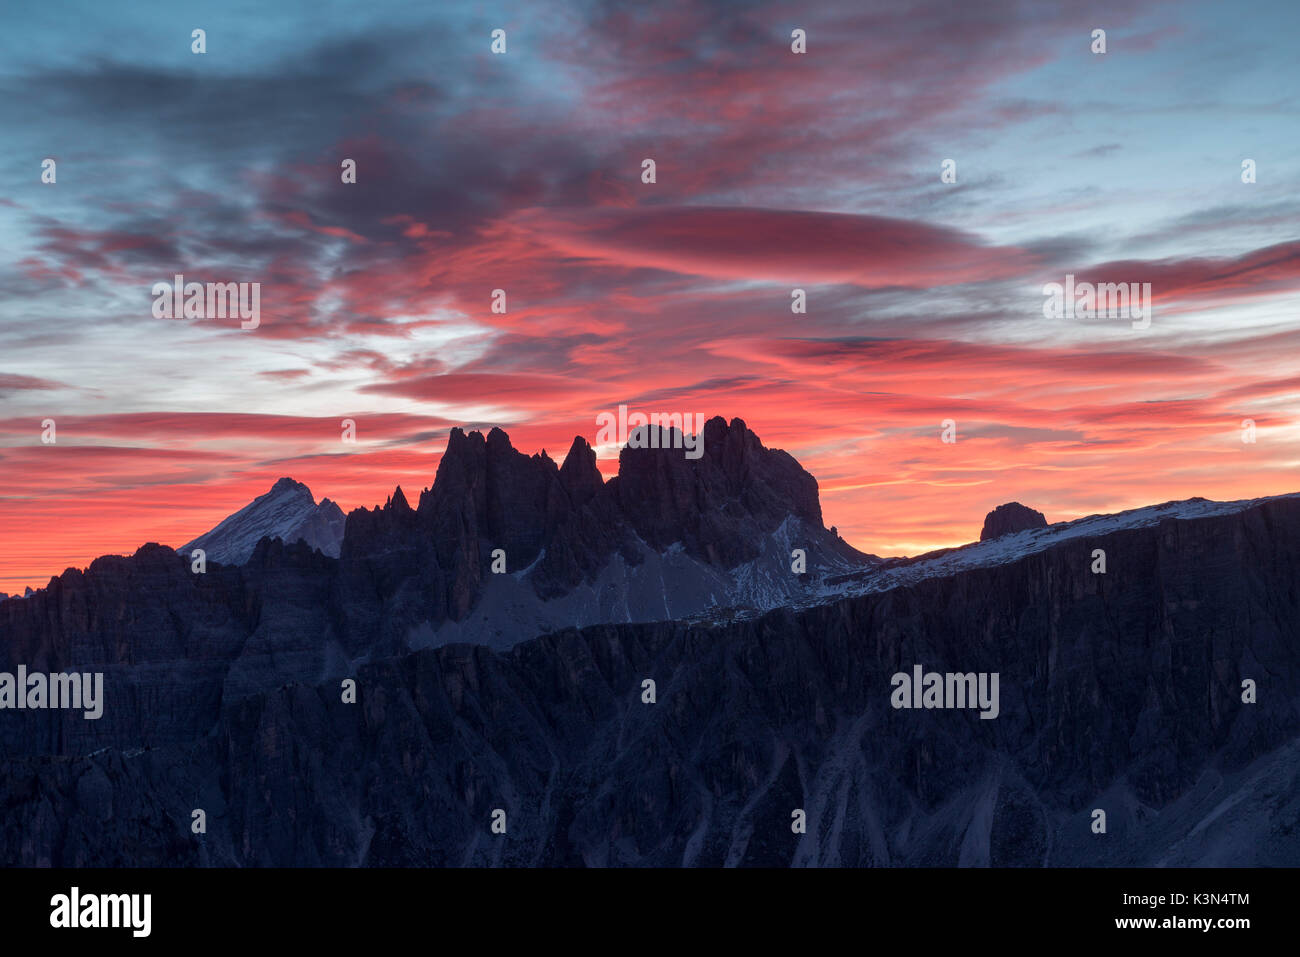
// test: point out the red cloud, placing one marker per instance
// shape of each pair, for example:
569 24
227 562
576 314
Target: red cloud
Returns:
776 245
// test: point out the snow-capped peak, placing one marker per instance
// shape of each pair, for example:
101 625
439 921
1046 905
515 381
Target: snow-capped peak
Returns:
288 512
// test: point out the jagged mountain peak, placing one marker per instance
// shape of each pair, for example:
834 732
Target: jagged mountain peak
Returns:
579 446
689 523
579 474
287 511
285 484
729 470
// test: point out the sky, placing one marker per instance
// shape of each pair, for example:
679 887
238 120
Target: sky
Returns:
522 171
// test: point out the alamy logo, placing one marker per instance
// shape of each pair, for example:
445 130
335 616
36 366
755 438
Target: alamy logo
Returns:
103 910
948 690
214 300
1085 300
613 429
36 691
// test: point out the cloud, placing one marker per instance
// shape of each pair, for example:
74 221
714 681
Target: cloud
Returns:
776 245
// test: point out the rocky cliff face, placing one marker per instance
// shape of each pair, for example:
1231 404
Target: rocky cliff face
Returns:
1119 691
173 646
669 537
1010 518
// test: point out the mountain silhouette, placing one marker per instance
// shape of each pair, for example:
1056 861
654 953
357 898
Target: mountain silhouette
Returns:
651 681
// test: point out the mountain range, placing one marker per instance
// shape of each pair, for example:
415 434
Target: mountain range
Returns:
670 537
525 689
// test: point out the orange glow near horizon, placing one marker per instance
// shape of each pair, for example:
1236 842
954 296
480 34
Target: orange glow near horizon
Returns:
892 489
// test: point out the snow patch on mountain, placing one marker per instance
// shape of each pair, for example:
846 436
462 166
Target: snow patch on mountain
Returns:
1010 548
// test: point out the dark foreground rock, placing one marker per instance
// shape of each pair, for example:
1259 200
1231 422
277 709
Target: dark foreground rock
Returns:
1119 691
1010 518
